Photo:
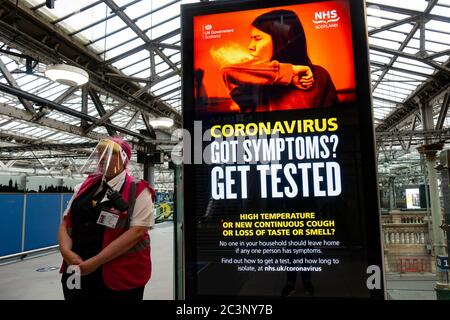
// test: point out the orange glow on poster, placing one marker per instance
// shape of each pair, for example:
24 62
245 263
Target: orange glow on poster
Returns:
224 38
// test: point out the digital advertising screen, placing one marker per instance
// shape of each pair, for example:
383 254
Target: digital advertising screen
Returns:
412 198
280 189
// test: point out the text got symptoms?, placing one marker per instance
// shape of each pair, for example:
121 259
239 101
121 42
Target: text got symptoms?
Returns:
303 159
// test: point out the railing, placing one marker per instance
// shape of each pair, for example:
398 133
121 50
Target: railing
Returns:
24 254
401 217
404 237
412 219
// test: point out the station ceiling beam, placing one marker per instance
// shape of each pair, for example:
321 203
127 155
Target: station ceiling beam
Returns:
25 30
436 85
74 113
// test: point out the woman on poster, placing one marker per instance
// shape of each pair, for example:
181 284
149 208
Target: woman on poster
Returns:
280 75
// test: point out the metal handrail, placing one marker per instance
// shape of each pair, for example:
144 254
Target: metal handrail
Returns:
24 253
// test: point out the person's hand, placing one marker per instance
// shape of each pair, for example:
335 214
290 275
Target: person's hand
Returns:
88 266
303 77
71 258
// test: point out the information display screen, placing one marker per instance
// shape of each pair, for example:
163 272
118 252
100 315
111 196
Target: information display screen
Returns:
280 190
412 198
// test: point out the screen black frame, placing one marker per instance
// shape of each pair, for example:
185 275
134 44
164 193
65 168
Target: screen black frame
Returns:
365 118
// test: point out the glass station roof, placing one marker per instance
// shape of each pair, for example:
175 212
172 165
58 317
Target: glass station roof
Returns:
409 42
403 56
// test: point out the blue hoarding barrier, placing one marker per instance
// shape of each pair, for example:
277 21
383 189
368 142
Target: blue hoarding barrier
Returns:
43 216
11 215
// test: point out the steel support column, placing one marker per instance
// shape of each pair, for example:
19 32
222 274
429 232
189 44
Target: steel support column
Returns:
84 106
430 149
445 181
100 109
392 200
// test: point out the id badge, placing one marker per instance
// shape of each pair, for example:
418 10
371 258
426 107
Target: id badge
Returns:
108 219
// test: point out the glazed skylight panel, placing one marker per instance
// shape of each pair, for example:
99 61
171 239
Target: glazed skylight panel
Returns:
162 29
125 40
380 113
136 68
163 83
144 73
102 29
376 22
160 93
52 92
393 87
382 104
158 16
440 10
442 59
388 95
384 43
425 68
173 81
121 117
407 86
141 58
416 5
374 12
404 75
62 116
416 69
27 82
390 35
100 129
380 56
85 17
173 98
37 85
430 46
438 37
44 133
438 26
62 8
34 131
11 125
124 63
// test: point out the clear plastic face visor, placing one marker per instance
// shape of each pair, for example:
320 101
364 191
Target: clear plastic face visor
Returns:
108 159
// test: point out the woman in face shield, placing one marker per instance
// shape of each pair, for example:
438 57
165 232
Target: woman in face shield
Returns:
103 237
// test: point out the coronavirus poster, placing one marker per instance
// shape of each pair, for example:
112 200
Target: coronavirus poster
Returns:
280 196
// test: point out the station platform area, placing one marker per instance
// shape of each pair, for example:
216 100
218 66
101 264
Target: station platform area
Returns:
37 278
411 286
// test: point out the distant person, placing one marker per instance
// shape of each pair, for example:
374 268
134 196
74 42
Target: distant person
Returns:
289 288
279 75
105 229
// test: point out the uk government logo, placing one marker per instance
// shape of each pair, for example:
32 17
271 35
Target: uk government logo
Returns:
210 33
326 19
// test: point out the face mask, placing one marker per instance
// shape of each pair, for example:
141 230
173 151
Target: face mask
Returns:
107 159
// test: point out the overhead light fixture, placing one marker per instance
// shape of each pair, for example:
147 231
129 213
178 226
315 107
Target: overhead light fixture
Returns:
161 122
65 74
